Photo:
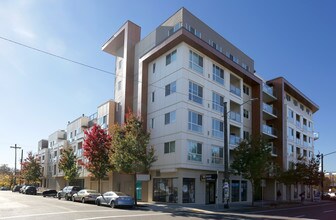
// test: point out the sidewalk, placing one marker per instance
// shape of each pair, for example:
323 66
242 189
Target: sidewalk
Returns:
216 208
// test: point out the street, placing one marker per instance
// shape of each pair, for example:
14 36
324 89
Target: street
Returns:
19 206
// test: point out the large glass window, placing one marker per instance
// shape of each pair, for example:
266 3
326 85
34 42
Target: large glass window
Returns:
188 190
235 189
217 102
194 151
217 128
165 190
170 117
195 121
170 88
218 74
216 155
195 92
195 62
171 57
243 190
290 133
169 147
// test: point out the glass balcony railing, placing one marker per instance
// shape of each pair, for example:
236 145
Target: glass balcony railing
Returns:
269 130
269 109
235 90
298 124
234 140
269 90
298 141
235 116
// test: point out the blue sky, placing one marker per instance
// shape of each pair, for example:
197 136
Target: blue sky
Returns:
39 94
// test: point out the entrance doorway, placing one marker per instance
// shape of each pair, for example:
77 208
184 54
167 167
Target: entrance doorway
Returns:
210 192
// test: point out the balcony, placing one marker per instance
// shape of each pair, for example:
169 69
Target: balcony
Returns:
235 90
268 93
269 112
234 141
269 131
235 116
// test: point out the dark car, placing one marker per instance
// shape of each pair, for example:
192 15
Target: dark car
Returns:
114 199
68 191
4 188
16 188
49 193
30 190
23 189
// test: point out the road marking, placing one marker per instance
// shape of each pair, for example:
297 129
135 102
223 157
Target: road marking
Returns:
299 216
328 211
124 216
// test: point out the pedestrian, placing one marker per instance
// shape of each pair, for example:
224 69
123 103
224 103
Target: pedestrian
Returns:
302 196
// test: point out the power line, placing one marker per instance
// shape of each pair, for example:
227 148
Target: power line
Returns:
57 56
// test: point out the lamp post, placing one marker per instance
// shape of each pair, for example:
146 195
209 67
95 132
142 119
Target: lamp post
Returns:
226 154
322 171
15 147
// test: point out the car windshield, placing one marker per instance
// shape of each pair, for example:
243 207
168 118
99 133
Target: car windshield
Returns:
121 194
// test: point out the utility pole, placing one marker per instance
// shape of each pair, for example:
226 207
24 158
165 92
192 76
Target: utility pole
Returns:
15 147
21 160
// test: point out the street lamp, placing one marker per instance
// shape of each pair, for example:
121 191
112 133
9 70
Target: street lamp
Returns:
226 154
322 172
15 147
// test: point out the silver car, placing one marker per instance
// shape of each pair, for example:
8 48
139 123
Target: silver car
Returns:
85 195
114 199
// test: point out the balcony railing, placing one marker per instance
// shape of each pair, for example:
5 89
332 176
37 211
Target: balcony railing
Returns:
269 109
234 140
235 90
298 124
269 130
269 90
298 141
235 116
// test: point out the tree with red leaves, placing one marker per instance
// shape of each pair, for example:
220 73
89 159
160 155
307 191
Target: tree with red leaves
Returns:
96 150
31 169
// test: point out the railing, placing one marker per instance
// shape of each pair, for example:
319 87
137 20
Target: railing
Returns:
269 130
305 143
235 90
234 140
298 124
298 141
269 90
235 116
216 160
269 109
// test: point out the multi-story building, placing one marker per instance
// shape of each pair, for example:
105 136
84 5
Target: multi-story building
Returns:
178 78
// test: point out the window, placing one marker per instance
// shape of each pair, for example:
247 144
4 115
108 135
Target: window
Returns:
193 31
55 153
152 123
195 121
153 96
54 169
154 67
235 190
217 155
188 190
170 117
174 29
243 190
218 74
165 190
246 90
195 93
246 114
171 57
169 147
290 115
217 102
301 107
194 151
235 59
245 66
295 102
288 98
290 133
195 62
308 111
170 88
217 128
246 135
290 150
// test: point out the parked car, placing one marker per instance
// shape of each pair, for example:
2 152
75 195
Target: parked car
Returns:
30 190
68 191
4 188
115 199
85 195
23 188
16 188
49 193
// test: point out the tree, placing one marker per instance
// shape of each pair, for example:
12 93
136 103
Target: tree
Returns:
252 159
131 154
31 169
68 165
96 149
6 175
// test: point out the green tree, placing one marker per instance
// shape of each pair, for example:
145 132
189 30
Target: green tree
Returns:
31 169
68 164
97 149
6 175
252 159
131 153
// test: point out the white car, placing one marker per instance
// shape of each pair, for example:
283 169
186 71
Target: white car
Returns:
85 195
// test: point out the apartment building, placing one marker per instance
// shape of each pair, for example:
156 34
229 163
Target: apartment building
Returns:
177 78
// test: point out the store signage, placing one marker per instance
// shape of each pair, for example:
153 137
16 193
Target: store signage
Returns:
208 177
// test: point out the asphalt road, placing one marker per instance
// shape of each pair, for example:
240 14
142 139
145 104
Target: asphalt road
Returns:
26 207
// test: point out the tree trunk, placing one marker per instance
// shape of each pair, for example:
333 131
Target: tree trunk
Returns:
135 191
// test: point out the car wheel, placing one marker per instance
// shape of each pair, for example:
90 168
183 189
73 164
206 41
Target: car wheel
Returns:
112 204
98 202
83 200
44 196
59 197
73 199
